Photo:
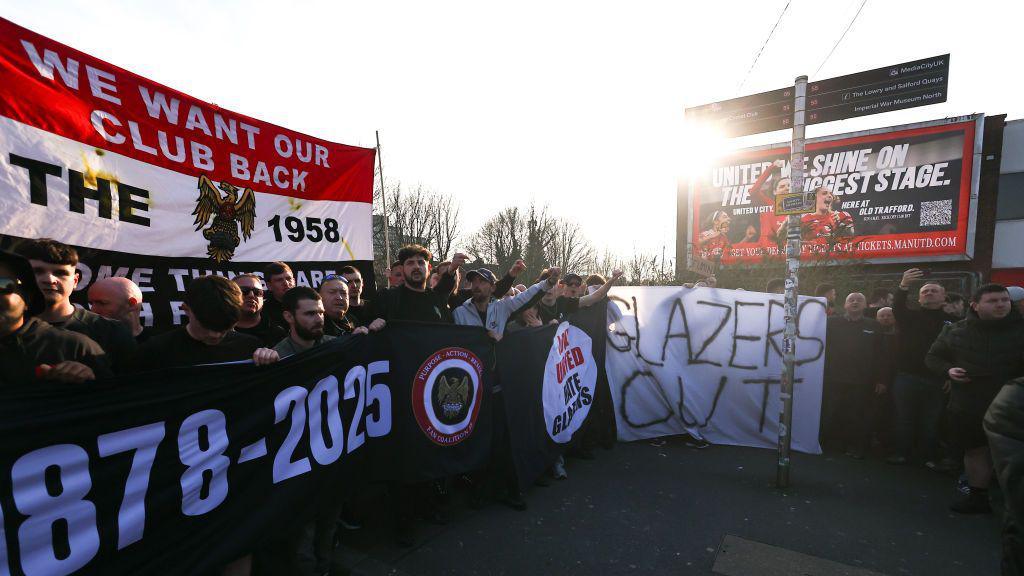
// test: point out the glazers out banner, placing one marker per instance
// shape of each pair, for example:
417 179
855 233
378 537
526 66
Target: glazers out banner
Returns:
899 194
160 187
706 362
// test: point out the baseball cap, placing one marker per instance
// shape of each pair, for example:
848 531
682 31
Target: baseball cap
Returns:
1016 293
27 286
481 273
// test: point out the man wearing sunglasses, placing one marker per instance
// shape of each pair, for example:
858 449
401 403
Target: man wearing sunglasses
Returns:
334 291
252 320
32 350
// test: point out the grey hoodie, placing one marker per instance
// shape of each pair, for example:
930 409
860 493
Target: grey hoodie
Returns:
498 311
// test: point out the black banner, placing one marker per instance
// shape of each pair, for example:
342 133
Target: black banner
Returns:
444 427
184 470
163 281
555 389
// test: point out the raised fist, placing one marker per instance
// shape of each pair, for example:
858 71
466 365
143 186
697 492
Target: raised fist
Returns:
553 273
457 261
616 274
517 268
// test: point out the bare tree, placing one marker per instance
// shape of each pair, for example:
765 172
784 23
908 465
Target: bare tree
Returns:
444 224
641 268
569 248
501 239
607 262
417 216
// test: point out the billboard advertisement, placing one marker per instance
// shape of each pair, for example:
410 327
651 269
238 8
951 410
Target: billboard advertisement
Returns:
902 193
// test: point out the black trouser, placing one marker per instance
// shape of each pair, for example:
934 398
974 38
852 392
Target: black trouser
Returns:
919 403
501 470
846 415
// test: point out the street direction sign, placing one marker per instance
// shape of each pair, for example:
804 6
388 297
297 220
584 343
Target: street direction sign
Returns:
897 87
764 112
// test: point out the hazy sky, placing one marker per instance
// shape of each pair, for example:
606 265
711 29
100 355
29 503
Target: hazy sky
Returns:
577 105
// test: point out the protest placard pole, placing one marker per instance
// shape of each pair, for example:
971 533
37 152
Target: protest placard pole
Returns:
796 179
384 203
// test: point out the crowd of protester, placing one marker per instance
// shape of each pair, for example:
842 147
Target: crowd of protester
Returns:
914 381
909 373
264 318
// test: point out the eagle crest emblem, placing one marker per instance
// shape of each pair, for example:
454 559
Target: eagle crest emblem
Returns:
453 394
231 209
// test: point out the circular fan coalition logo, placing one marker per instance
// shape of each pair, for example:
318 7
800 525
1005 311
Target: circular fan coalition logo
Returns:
446 395
570 379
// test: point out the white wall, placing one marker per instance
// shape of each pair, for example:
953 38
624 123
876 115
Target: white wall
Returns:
1007 252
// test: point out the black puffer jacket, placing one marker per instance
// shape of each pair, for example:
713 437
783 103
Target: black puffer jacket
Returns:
991 351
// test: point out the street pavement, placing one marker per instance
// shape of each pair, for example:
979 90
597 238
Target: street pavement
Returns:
647 509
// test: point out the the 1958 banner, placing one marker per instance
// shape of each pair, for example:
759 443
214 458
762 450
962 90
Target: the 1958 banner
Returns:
160 187
884 194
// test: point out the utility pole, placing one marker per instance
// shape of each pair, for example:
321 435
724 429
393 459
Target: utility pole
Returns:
796 178
384 203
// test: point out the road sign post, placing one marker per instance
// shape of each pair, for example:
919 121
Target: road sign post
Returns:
793 249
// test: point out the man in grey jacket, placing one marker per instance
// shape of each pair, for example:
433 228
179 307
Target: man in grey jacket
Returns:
483 310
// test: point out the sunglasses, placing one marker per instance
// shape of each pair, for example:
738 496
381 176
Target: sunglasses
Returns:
247 290
9 284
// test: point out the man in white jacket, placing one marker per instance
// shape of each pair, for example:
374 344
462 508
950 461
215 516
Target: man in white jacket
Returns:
483 310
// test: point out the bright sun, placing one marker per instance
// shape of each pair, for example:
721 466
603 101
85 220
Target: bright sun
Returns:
701 146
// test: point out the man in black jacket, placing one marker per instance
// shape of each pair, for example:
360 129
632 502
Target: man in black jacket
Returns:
31 349
1004 426
413 300
917 392
54 265
978 354
849 375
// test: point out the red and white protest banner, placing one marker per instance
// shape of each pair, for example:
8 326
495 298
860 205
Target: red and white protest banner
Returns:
153 184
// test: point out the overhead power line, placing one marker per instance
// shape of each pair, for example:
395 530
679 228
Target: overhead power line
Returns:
770 33
836 45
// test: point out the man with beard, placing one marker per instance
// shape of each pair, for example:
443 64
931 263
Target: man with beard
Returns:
213 305
979 354
280 279
311 549
412 300
54 266
337 321
358 308
485 311
119 299
31 349
252 320
304 313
